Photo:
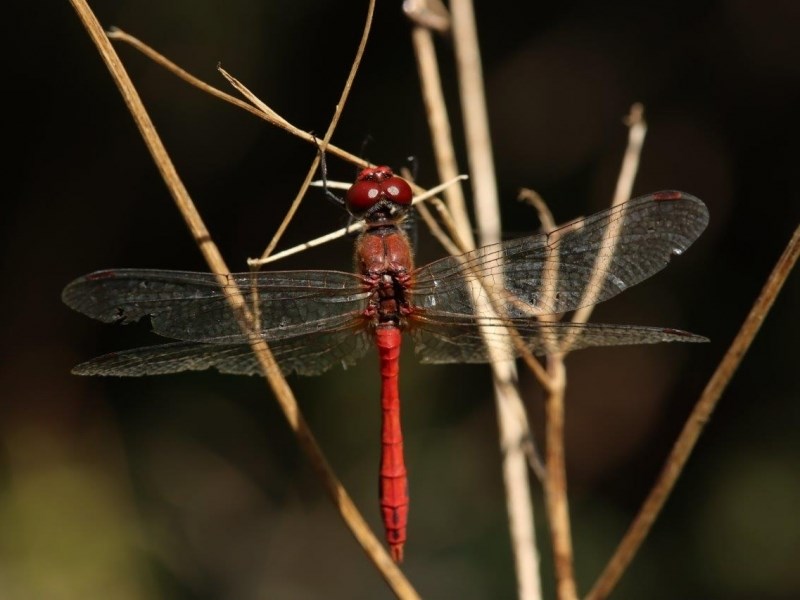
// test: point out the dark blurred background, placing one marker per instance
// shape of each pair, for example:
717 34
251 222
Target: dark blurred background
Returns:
190 486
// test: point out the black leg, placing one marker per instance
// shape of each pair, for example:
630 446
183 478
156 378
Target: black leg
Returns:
413 166
323 168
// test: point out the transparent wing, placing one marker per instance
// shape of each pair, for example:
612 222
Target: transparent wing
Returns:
192 306
550 274
306 355
443 338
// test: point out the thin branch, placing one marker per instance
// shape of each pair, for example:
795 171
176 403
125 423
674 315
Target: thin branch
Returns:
515 435
555 482
637 129
328 134
557 500
439 125
448 243
262 111
537 202
436 230
358 526
695 423
557 497
476 122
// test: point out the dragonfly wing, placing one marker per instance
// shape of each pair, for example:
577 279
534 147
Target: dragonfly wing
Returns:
193 306
551 274
305 355
447 338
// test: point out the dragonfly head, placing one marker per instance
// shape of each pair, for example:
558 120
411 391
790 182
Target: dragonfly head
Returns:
378 194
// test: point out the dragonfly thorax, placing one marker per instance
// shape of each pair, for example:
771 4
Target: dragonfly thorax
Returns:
383 257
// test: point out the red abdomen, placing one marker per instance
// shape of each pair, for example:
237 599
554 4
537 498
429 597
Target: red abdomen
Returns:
393 479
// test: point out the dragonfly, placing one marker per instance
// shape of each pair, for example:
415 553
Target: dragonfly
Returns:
482 305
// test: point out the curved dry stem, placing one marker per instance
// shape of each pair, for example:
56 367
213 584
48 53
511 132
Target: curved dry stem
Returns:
637 129
328 134
358 526
540 206
697 420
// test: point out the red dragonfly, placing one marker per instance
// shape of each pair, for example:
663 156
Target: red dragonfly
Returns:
314 320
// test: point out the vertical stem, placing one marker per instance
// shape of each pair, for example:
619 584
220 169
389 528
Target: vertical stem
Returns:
441 136
557 498
476 121
556 488
513 425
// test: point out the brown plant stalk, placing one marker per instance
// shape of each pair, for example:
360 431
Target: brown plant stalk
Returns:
515 434
695 424
347 509
259 109
556 492
323 144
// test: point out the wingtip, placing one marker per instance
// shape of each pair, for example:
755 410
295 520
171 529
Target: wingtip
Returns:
685 336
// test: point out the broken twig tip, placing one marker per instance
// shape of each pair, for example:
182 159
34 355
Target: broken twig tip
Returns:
635 116
431 14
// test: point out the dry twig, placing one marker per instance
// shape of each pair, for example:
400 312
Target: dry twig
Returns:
515 435
557 499
260 110
695 423
323 145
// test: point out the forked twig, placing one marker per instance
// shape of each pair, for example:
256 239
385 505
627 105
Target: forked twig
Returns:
557 498
695 423
347 508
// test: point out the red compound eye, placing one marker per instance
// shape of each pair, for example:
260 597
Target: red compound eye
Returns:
397 190
362 196
374 184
